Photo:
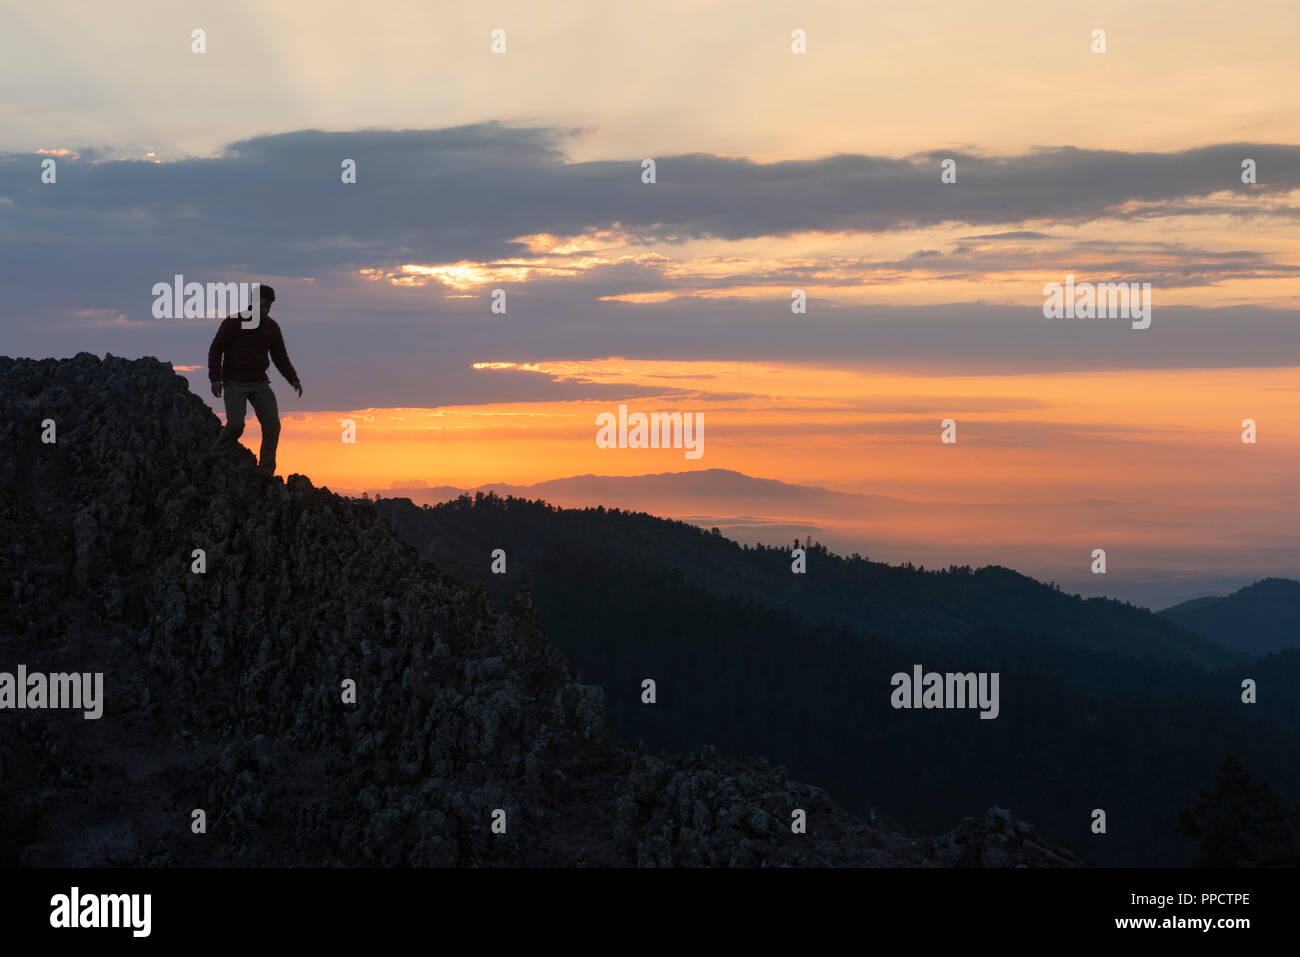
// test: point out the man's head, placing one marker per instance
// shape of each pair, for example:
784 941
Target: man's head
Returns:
268 297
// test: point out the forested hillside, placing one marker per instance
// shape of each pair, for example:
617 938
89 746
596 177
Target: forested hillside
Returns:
1103 705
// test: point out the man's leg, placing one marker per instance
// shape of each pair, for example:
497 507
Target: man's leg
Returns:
234 395
268 415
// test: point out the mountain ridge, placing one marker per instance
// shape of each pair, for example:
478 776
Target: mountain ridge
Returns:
714 560
1260 618
223 682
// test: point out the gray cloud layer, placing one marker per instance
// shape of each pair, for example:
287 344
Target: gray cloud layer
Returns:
463 192
274 206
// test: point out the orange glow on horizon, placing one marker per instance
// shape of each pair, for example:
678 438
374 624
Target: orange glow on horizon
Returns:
1163 436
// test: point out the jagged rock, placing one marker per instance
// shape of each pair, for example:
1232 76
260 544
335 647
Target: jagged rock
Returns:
223 689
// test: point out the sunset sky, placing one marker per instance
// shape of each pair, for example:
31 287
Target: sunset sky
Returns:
775 171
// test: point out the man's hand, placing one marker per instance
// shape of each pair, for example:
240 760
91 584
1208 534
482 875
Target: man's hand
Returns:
216 388
298 386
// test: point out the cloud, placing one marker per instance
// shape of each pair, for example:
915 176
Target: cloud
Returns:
467 192
1012 234
435 212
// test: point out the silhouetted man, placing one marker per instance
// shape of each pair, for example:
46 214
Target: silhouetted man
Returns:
237 364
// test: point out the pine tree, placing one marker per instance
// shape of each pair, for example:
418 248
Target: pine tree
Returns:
1240 821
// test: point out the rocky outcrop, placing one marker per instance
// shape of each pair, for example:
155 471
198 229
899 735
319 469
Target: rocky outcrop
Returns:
224 689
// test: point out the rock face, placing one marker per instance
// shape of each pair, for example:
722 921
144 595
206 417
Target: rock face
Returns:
223 689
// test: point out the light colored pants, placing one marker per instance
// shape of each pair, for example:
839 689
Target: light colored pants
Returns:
236 394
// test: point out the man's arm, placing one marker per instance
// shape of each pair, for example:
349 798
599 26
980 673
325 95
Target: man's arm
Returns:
280 356
217 351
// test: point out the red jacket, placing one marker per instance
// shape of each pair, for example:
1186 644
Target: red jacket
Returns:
240 355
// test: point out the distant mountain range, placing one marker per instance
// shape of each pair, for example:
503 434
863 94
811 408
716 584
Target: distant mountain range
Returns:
726 491
1259 618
